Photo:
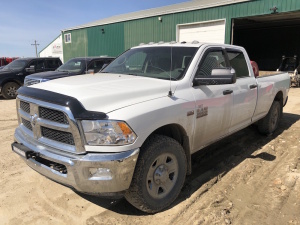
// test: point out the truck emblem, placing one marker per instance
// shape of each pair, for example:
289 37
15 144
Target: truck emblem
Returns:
202 111
33 119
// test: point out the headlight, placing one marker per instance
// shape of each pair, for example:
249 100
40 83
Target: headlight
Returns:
107 132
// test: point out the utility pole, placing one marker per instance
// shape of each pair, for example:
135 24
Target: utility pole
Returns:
35 44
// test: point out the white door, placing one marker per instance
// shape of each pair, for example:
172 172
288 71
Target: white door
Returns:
213 102
209 32
244 92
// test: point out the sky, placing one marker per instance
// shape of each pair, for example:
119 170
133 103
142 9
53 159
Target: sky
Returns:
23 21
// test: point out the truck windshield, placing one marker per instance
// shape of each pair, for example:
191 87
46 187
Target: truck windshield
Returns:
156 62
73 65
16 65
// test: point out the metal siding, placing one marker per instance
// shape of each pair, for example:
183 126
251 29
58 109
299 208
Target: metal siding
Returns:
121 36
110 43
78 45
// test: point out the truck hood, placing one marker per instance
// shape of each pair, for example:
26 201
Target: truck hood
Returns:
108 92
50 75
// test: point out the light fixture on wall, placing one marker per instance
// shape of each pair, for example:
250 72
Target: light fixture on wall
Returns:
273 9
160 19
102 30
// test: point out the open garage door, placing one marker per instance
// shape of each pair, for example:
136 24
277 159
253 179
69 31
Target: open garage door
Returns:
210 31
267 38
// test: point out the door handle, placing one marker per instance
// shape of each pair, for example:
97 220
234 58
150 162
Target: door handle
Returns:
253 86
227 92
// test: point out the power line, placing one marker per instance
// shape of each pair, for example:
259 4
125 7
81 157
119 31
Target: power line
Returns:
35 44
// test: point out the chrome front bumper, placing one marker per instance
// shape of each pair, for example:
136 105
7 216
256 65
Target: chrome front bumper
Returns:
91 173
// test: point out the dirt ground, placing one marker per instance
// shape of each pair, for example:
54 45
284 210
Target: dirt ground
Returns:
246 178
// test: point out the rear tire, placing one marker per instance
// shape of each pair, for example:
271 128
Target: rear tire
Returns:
159 174
9 90
269 123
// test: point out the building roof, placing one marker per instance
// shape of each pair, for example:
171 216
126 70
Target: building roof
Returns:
180 7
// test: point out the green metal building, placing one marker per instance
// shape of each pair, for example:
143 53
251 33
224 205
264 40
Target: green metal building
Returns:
268 29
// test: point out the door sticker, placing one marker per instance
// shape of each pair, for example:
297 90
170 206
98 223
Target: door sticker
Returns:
202 111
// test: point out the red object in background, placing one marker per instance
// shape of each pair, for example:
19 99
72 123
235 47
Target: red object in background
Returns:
255 68
6 60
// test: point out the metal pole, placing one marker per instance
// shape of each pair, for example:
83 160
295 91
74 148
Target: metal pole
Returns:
35 44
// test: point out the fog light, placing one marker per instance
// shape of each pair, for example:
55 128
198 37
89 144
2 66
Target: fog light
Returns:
100 174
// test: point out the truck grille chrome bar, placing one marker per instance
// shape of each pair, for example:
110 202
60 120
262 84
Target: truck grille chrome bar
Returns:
50 124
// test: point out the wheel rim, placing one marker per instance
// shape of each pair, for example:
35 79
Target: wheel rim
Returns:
12 91
274 119
162 175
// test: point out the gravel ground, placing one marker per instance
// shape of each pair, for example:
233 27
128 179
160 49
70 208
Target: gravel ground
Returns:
246 178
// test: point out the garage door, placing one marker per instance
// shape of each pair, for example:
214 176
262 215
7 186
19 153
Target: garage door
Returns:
211 32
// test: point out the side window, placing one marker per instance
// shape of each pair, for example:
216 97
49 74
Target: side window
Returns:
238 62
39 66
214 59
33 63
52 64
67 38
96 66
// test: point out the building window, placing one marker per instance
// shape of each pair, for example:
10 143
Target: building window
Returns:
68 38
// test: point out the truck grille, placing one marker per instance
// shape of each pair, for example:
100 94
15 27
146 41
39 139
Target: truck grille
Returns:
25 106
29 81
53 115
50 124
56 135
27 124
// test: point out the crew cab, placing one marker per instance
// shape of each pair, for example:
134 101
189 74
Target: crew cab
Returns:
73 67
12 75
132 128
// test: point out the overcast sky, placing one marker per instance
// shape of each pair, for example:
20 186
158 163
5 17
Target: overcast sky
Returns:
23 21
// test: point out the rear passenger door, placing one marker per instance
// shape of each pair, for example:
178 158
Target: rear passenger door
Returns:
244 91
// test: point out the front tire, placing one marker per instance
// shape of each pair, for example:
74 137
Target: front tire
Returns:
269 123
9 90
159 174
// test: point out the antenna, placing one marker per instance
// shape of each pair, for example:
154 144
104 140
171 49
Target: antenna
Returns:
170 91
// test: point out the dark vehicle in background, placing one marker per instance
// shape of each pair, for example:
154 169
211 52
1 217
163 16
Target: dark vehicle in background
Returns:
73 67
12 75
292 66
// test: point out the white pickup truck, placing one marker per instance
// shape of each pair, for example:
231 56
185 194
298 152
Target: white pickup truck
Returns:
132 129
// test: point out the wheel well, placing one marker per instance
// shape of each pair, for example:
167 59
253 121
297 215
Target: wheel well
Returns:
178 133
7 81
279 97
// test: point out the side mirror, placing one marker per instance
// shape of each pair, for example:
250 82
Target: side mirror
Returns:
31 69
218 77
